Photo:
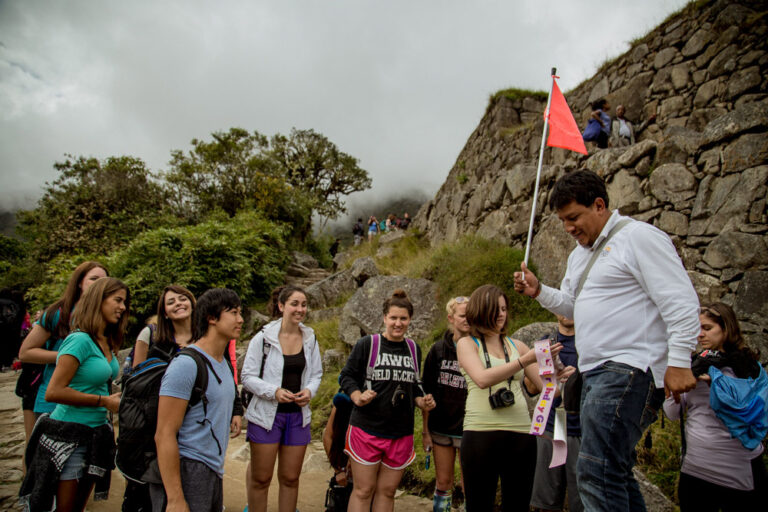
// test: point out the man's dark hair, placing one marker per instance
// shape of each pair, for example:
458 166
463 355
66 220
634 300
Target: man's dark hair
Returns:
599 104
580 186
359 219
210 305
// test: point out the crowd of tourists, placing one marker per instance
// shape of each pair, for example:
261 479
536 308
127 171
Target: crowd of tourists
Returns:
628 326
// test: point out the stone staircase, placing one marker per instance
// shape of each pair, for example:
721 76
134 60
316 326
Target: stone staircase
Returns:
304 270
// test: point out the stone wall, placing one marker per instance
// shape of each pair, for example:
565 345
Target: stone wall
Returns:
699 172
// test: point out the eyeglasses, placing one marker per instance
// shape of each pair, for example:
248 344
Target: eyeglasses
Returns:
461 300
709 311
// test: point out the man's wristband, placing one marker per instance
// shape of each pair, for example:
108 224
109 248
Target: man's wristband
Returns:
538 291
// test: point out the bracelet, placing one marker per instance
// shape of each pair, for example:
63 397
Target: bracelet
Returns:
520 363
538 291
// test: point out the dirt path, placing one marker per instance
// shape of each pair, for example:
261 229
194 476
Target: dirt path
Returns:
314 476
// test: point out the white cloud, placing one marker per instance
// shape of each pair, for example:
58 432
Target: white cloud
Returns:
398 84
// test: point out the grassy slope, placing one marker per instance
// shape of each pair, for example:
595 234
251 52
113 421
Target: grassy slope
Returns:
457 269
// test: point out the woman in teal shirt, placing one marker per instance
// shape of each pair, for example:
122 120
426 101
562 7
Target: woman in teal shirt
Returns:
85 364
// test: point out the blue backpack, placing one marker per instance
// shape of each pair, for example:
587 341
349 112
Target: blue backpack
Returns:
742 405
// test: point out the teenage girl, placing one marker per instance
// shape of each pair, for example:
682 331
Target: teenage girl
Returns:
42 343
282 369
496 443
85 365
718 472
380 436
442 429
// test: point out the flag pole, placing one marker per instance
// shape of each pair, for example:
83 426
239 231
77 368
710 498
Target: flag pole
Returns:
538 170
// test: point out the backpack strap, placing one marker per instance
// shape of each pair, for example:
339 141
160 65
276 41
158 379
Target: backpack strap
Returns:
372 355
415 360
596 252
264 350
152 333
201 386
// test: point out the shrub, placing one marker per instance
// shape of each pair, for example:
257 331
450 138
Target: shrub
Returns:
460 267
246 254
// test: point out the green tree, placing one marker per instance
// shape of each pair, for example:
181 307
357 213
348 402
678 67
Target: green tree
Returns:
93 206
246 253
311 162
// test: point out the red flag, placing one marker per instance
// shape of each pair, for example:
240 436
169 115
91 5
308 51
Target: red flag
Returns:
563 130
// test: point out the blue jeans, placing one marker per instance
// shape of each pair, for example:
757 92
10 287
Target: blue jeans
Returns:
618 402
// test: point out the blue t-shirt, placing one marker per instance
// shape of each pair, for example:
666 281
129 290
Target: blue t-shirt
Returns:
49 324
92 377
195 439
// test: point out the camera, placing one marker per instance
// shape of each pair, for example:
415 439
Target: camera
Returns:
398 397
501 398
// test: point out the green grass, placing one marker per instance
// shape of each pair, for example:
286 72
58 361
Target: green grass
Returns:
462 178
513 94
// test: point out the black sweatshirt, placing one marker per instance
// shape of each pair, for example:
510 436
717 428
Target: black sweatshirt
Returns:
393 368
443 379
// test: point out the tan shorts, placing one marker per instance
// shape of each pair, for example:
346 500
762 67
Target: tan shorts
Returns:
443 440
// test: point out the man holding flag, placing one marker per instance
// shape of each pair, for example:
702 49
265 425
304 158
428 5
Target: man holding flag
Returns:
636 320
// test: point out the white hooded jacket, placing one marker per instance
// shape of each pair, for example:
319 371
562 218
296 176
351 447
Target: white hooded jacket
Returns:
263 407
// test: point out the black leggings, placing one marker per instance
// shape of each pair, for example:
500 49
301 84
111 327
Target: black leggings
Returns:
699 495
488 456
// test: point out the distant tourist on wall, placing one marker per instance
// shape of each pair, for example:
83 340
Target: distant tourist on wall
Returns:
599 125
357 231
373 227
405 221
623 132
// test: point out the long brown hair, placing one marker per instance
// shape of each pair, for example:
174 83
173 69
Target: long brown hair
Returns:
67 301
89 318
724 316
483 310
165 330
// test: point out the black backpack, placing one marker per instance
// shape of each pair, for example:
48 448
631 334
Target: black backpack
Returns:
137 416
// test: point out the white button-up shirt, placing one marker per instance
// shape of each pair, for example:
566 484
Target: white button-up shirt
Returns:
637 307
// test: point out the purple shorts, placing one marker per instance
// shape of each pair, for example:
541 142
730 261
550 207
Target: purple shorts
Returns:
286 430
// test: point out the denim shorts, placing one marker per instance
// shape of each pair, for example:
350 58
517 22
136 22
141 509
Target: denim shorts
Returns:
74 468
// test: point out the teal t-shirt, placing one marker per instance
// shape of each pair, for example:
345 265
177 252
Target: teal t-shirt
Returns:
91 377
49 323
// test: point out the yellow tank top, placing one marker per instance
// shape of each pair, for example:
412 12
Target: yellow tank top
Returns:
479 416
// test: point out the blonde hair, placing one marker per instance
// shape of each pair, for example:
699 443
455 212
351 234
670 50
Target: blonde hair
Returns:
450 308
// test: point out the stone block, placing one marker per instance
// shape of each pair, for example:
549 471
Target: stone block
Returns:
549 250
745 118
707 92
680 76
672 107
636 152
724 62
673 223
625 192
664 57
672 183
747 151
709 289
739 250
697 42
743 80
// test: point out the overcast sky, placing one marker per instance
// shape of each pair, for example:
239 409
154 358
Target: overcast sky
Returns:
398 84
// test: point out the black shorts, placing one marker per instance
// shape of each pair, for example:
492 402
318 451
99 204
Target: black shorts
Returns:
28 401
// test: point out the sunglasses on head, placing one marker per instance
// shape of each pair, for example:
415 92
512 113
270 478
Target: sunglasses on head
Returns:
710 311
461 300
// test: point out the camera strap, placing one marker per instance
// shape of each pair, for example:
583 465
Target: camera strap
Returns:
488 359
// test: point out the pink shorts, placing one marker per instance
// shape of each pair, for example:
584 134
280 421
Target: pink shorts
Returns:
368 449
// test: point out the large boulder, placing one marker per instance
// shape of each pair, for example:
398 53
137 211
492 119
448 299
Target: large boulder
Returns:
326 292
533 332
305 260
363 269
363 312
392 237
